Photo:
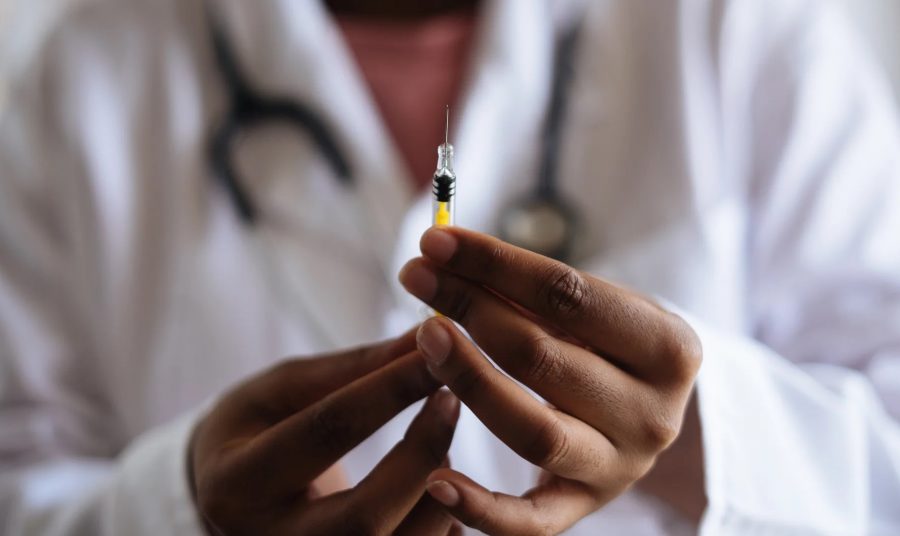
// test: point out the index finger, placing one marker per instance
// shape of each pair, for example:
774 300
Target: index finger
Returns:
624 326
293 384
330 372
388 494
296 450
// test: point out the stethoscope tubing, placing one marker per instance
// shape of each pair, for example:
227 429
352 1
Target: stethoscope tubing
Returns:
249 108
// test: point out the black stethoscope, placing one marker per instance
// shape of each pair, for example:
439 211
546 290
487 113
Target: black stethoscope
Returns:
541 221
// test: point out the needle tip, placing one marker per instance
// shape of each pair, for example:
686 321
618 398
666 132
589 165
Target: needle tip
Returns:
447 125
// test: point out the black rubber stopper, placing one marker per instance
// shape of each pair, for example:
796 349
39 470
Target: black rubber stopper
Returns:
443 186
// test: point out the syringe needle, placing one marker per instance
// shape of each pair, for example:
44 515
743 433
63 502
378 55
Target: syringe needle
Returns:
444 181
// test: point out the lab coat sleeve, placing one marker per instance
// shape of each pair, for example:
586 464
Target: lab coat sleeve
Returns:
63 468
800 426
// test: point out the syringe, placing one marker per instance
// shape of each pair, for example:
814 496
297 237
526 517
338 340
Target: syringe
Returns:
444 181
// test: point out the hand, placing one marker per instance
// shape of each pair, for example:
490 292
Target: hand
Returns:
678 477
255 459
617 369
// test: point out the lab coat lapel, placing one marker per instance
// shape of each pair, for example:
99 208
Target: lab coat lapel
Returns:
331 253
295 49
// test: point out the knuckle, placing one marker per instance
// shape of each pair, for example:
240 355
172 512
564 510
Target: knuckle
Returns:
330 430
659 431
492 259
468 382
480 515
434 453
544 358
457 303
540 521
480 519
563 291
683 350
549 446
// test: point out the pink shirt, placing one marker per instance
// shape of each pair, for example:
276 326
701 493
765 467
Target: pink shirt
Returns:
413 69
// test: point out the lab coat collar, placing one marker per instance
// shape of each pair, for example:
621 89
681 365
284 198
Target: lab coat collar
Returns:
295 49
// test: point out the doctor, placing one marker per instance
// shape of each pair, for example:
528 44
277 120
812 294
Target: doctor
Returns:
737 161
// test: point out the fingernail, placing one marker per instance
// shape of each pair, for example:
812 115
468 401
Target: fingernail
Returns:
434 342
446 406
444 493
419 280
438 245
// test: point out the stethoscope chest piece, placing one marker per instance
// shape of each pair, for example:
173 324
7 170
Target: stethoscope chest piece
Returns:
544 225
544 222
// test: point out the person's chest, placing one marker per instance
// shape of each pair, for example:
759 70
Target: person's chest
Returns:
192 299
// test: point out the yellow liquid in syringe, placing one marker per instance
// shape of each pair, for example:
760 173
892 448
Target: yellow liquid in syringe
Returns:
442 214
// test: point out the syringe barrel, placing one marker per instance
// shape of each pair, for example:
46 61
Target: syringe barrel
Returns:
444 199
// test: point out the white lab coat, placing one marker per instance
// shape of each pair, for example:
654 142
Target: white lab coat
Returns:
739 159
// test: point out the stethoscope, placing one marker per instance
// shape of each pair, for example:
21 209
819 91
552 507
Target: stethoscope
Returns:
542 220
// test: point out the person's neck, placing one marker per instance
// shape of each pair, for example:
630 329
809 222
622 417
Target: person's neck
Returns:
397 9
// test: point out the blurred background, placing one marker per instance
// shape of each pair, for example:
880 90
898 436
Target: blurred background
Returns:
879 23
22 22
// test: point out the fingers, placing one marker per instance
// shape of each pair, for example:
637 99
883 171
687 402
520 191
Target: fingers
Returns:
625 326
573 379
428 517
296 383
547 509
299 448
397 483
391 491
543 436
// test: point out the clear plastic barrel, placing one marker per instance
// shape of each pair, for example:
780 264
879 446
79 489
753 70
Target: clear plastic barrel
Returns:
444 212
444 187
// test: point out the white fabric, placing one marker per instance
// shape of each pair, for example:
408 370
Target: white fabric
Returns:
879 23
738 159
